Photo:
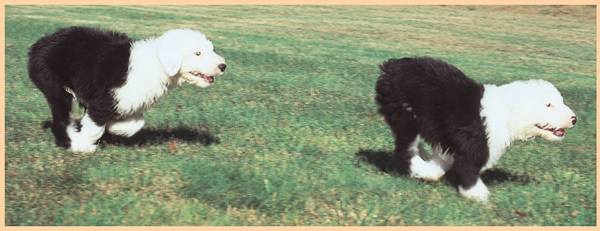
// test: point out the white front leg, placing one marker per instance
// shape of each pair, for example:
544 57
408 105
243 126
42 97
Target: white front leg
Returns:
85 140
126 127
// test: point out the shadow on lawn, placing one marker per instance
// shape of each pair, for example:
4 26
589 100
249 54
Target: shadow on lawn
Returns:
159 135
384 161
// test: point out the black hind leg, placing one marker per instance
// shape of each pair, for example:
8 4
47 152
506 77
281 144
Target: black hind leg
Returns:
59 101
400 116
61 105
404 127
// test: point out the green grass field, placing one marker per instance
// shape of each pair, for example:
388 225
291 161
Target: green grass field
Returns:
290 134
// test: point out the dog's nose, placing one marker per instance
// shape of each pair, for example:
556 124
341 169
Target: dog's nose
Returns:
573 120
222 66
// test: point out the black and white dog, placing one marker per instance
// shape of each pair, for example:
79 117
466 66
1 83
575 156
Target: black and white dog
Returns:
468 125
114 77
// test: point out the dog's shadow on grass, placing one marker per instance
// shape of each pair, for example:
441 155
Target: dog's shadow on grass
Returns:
384 162
158 136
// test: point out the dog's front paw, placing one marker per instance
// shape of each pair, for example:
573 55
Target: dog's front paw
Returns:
83 147
477 192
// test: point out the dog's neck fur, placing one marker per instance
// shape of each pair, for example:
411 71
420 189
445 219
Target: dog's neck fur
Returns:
147 83
497 110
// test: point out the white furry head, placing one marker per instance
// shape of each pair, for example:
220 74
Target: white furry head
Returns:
157 65
190 54
537 110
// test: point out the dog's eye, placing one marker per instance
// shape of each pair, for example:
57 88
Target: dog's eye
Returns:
549 105
198 53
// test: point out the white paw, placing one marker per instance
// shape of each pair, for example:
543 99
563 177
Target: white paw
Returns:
478 192
425 170
82 147
85 139
80 143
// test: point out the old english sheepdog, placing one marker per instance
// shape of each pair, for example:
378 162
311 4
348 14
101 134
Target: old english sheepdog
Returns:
468 125
114 78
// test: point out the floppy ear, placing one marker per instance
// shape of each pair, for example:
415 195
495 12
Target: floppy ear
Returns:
170 55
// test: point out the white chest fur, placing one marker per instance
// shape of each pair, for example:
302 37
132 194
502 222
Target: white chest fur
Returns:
147 82
496 112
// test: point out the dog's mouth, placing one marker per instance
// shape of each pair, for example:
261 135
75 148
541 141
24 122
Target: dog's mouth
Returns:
206 78
560 132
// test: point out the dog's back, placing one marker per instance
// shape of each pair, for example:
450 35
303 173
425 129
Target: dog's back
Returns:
79 54
425 78
428 86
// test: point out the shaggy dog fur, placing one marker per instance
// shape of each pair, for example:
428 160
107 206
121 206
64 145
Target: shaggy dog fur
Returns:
468 125
115 78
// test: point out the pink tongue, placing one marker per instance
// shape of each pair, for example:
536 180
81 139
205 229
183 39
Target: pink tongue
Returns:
559 132
209 79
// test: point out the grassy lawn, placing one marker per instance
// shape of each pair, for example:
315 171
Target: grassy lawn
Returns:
290 134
